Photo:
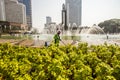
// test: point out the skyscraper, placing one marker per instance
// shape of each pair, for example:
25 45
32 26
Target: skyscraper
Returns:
27 3
74 11
15 12
2 11
48 20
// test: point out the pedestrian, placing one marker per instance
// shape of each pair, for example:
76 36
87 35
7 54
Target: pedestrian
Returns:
46 44
107 36
57 38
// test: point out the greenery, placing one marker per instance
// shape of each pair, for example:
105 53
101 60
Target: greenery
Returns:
15 37
110 26
101 62
71 37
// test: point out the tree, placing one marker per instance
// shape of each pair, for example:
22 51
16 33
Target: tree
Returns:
110 26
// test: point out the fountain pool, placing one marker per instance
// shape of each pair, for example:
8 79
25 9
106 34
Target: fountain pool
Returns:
89 38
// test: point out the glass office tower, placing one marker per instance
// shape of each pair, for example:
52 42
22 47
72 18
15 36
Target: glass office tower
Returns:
27 3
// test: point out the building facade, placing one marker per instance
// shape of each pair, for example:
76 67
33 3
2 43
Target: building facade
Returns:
48 20
2 11
74 11
27 3
15 12
50 28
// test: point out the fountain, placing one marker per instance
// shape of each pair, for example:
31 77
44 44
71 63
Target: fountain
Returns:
92 30
74 29
95 35
95 30
92 35
71 33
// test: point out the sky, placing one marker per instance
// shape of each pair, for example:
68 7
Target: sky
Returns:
93 11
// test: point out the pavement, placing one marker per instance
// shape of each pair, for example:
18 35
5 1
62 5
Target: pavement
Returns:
41 43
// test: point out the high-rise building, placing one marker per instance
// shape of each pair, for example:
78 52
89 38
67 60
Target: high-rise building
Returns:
48 20
64 17
2 11
27 3
15 12
74 11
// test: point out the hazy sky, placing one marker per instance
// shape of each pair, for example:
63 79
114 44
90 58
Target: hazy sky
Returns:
93 11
